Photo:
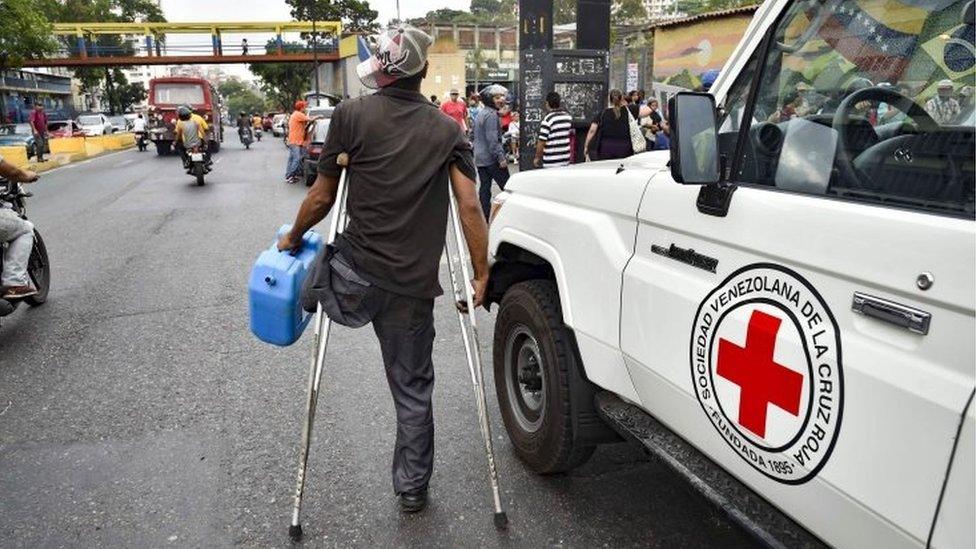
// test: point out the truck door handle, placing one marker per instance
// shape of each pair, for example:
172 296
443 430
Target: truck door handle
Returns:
910 318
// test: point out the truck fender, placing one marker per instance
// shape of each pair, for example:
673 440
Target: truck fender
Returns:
520 256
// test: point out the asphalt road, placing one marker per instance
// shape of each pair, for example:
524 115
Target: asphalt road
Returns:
137 410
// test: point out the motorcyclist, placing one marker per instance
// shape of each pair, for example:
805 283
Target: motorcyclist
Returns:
20 234
243 125
257 122
139 124
139 128
191 131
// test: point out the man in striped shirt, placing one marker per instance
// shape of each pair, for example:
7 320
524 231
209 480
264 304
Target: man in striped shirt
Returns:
552 147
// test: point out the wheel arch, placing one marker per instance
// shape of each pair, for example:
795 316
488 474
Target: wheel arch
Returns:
520 257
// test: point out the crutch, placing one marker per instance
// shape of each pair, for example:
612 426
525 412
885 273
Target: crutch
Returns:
322 325
464 298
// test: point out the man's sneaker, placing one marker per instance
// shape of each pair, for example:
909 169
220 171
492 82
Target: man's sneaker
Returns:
18 292
413 502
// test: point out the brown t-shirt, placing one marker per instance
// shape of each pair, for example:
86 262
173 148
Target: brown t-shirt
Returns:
401 148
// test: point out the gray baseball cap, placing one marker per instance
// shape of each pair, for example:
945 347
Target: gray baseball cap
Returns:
400 52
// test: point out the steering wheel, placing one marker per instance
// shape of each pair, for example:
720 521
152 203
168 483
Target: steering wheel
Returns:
860 172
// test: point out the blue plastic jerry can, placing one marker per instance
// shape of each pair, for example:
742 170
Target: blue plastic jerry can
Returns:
275 290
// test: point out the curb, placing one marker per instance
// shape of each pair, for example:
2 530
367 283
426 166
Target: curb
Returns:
59 160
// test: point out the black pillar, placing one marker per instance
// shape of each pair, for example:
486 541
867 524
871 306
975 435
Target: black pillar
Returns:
593 24
535 24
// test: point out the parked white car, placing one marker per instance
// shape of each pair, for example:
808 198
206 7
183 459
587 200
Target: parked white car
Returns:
279 125
95 124
783 308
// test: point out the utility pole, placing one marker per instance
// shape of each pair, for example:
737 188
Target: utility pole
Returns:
315 56
109 91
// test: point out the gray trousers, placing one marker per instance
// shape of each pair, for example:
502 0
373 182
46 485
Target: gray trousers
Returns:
405 329
19 233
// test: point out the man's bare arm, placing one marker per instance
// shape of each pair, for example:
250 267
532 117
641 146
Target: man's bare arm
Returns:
475 230
12 173
317 204
540 149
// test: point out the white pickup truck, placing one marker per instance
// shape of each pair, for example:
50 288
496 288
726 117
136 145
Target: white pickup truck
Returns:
782 308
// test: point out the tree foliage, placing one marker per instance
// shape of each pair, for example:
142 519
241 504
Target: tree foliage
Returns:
283 83
124 94
627 12
117 90
356 15
695 7
563 12
482 12
238 96
24 33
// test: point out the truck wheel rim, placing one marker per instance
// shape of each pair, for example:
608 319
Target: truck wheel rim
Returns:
525 377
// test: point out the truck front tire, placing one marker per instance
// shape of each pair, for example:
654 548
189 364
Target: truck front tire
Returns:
534 360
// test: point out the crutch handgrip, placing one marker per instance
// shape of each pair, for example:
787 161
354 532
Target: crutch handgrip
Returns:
343 159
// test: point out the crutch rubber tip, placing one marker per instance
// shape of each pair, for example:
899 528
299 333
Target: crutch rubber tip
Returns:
501 520
295 532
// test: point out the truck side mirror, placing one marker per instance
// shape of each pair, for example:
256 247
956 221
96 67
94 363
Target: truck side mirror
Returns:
694 138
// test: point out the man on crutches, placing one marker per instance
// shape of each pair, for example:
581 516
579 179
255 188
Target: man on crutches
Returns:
402 155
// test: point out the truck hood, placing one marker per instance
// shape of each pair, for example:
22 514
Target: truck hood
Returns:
536 181
601 185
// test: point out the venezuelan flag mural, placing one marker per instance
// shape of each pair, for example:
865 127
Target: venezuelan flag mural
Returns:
906 41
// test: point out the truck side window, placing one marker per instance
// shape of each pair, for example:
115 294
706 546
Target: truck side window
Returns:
867 101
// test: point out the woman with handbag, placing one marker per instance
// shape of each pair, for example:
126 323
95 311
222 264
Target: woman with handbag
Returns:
615 132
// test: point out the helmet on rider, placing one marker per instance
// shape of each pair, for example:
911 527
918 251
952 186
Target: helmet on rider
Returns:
183 112
491 92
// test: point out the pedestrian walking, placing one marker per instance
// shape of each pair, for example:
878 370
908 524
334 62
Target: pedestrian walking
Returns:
514 129
456 109
609 134
553 147
943 107
38 124
244 46
489 155
474 105
384 267
296 142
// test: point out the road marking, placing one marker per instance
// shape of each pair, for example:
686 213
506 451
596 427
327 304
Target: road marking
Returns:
75 164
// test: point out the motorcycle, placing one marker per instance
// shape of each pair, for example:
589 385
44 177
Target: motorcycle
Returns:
196 163
38 266
142 141
257 133
246 137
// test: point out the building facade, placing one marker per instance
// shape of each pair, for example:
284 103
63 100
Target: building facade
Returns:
21 89
490 52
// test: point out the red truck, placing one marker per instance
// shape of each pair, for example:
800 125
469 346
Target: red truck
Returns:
167 94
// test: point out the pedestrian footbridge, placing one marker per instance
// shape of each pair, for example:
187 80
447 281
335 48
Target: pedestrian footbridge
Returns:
146 44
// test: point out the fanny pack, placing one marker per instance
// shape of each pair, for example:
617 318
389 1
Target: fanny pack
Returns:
347 298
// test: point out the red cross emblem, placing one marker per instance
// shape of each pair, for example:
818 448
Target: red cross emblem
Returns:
761 380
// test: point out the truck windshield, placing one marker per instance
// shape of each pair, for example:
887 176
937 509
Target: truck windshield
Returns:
178 94
872 99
